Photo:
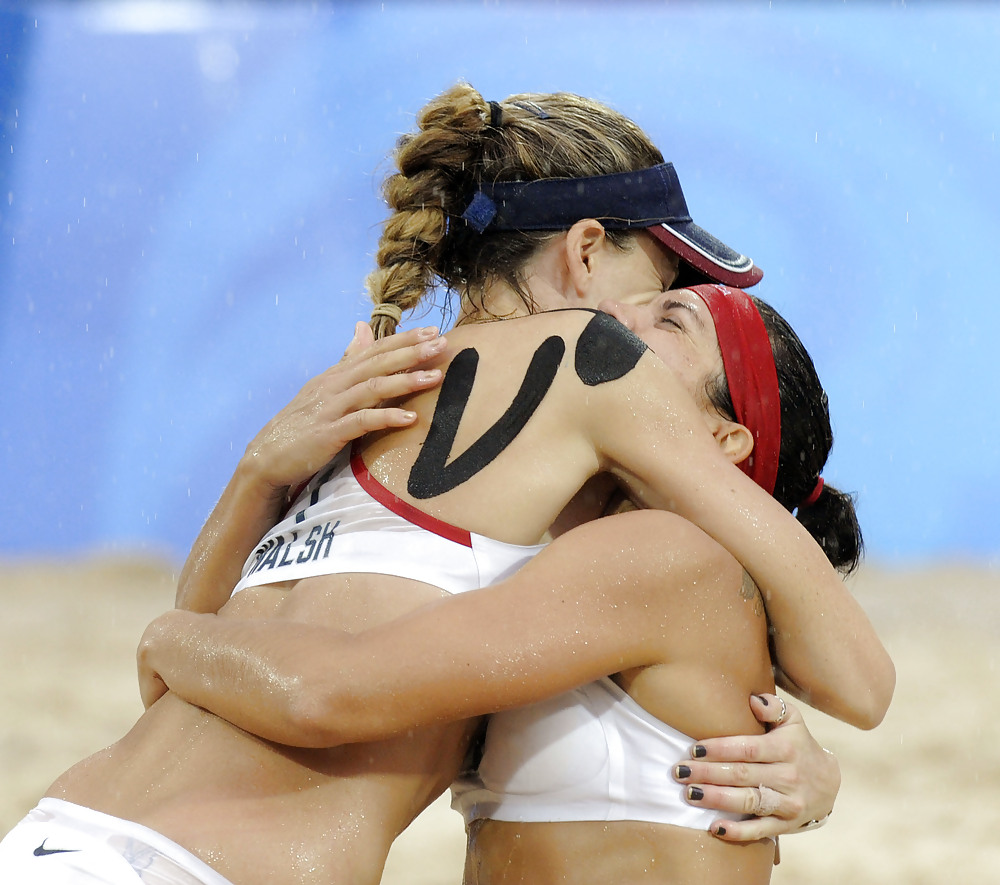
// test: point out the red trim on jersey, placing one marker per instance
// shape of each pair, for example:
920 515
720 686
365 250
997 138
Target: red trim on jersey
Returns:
403 508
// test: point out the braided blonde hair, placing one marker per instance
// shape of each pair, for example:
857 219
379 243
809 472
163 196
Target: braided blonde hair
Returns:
459 143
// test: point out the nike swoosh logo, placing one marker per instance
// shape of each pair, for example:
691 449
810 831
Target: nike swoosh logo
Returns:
41 850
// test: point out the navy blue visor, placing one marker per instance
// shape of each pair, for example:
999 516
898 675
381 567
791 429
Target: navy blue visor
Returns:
648 199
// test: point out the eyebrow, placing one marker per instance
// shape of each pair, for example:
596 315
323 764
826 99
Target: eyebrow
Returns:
693 311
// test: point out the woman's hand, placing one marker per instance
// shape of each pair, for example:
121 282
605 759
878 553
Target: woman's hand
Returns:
334 408
345 402
784 777
157 635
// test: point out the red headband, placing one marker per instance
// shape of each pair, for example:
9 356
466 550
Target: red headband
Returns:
753 381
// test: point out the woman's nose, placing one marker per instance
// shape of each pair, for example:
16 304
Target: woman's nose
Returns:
619 311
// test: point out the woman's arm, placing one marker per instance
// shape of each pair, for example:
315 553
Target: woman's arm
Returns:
605 597
652 436
331 410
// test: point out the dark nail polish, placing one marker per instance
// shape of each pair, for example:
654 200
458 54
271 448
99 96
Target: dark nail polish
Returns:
720 831
699 752
696 794
683 771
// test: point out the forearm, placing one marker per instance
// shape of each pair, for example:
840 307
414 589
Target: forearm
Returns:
203 658
247 509
308 686
547 629
845 672
823 640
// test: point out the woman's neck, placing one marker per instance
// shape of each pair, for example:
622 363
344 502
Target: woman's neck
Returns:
501 302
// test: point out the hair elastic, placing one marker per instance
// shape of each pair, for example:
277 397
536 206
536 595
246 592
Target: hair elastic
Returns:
496 115
814 494
748 361
386 309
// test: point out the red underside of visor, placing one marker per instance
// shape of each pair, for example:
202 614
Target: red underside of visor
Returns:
729 277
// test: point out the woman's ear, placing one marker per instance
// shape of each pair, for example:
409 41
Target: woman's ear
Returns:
735 440
585 245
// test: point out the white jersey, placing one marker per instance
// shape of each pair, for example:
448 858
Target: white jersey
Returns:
345 521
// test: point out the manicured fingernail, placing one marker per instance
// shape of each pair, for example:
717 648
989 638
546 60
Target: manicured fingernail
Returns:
762 699
432 348
696 794
427 332
428 376
682 771
720 831
699 752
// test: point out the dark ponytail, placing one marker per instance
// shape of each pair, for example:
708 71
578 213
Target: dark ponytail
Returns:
806 440
833 521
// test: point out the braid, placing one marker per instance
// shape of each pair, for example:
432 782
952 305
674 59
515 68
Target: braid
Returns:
461 141
436 167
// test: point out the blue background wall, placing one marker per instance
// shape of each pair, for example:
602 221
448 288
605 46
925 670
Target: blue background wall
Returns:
189 205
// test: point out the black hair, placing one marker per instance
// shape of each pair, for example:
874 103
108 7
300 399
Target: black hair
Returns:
806 440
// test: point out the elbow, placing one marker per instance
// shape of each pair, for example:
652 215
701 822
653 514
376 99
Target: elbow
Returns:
315 714
879 698
867 709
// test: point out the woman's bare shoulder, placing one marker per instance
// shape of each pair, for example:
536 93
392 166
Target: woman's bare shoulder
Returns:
656 541
595 344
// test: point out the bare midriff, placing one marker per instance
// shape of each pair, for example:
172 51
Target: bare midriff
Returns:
259 812
595 853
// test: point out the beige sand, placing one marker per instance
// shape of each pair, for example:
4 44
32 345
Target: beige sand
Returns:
921 795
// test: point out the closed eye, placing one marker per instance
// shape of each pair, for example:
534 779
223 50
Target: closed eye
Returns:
672 309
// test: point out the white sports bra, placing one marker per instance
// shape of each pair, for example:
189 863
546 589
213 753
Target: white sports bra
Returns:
338 524
590 754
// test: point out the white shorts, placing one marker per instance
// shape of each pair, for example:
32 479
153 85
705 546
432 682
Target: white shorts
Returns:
58 843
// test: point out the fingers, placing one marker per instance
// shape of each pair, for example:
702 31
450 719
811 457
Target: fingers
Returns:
751 749
363 338
750 830
151 689
394 353
773 711
784 778
736 788
345 402
382 372
358 423
774 813
377 389
776 775
784 723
